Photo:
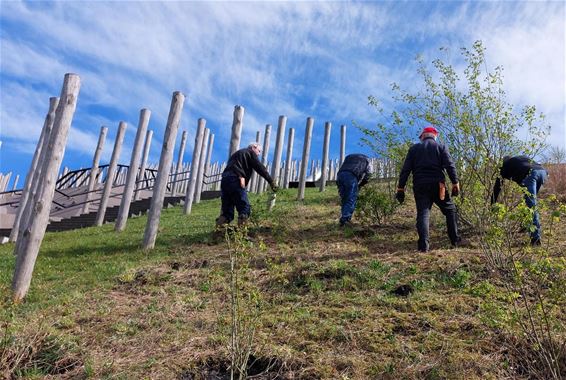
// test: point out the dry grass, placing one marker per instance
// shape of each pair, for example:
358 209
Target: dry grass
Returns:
329 308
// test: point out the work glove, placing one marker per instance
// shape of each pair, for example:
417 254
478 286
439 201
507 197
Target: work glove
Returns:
455 189
274 187
400 195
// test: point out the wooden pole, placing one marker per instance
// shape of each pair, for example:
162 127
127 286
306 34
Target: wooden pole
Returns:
132 172
236 130
253 181
94 169
313 170
140 183
289 161
179 167
190 195
266 138
324 168
14 187
342 143
220 171
279 141
202 161
35 167
305 159
160 185
110 174
207 170
31 239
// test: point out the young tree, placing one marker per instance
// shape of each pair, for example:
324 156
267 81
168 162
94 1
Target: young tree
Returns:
474 119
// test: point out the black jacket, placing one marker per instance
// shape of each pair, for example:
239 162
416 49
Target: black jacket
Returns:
518 168
359 165
427 161
243 162
515 168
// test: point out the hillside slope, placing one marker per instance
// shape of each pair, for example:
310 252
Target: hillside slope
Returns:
333 303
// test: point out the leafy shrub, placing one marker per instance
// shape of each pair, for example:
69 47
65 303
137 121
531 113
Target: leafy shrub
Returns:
374 205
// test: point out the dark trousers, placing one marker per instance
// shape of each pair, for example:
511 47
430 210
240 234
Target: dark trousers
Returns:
348 190
233 195
425 196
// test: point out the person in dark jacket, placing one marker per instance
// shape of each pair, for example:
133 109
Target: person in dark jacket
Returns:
354 173
428 160
528 174
235 178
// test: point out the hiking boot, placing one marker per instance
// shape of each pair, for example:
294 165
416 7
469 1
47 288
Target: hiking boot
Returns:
462 243
221 220
536 242
242 221
346 223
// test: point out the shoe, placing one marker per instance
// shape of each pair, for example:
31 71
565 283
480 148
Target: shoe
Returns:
221 220
243 220
536 242
462 243
423 250
346 223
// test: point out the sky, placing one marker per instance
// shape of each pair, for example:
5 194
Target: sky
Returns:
298 59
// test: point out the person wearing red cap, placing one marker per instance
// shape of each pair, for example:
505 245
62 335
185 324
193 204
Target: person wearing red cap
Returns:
427 161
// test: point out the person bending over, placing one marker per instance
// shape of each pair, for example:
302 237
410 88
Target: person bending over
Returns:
235 178
354 173
528 174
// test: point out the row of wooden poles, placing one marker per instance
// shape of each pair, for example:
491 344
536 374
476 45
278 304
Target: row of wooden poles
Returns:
37 195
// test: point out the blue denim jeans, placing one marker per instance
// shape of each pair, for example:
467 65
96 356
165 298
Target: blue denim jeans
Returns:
233 195
348 190
532 183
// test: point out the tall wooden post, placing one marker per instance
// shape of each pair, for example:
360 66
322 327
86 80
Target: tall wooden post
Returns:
342 143
190 195
305 159
16 180
289 160
140 183
279 141
202 161
163 171
313 170
30 241
94 169
110 174
132 172
324 168
207 171
175 186
220 171
35 167
253 180
236 130
264 155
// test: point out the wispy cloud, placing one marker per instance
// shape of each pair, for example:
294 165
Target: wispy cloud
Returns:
300 59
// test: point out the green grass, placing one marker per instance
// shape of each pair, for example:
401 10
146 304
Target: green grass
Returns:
107 309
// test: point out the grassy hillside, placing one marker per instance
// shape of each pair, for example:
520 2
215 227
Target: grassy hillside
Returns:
331 302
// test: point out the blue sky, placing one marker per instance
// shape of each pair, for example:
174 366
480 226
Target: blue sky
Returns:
299 59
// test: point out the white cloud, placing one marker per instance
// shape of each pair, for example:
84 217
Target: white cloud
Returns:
300 59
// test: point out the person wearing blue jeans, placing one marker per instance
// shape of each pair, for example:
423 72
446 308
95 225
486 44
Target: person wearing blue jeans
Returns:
427 161
528 174
235 178
354 173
